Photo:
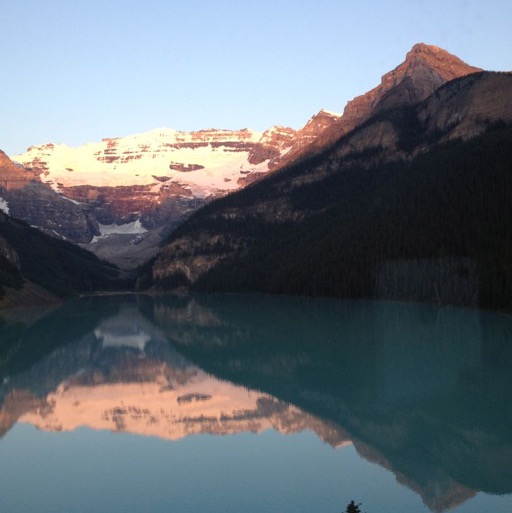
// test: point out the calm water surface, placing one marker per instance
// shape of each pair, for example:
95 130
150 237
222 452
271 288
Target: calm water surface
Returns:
254 404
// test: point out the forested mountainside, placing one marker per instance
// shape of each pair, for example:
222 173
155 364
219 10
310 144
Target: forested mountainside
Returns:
412 204
36 268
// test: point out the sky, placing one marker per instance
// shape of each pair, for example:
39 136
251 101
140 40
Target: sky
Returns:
77 71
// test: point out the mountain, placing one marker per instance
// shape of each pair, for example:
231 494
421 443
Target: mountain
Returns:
425 68
24 196
121 196
38 268
13 176
410 204
117 196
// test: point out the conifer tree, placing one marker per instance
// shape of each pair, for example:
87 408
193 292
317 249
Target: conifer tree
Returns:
352 507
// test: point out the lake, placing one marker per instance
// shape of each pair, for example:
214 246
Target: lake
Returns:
246 403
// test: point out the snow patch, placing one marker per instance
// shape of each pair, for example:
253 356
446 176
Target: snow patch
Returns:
58 235
4 206
69 199
133 228
137 339
331 113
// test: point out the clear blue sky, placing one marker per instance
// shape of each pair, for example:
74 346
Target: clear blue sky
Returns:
75 71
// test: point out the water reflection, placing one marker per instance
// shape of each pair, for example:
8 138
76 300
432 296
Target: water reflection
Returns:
123 375
422 391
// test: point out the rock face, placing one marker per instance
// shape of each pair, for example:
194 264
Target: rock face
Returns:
271 144
24 196
466 107
13 176
460 109
425 69
306 136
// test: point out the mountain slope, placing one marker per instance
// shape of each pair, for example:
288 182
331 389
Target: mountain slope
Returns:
401 189
37 268
24 196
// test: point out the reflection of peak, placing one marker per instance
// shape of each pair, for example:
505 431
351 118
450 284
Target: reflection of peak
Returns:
126 329
172 404
188 312
406 383
15 404
122 338
438 491
160 395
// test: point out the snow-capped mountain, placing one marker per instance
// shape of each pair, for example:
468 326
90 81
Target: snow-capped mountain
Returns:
123 193
199 164
119 197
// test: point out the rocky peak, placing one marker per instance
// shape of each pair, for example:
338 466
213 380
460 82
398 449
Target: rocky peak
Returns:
306 136
424 69
317 123
447 65
280 136
272 143
13 176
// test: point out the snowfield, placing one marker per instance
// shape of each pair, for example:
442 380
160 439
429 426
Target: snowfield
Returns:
145 159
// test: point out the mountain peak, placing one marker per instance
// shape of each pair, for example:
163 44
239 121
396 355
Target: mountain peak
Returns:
444 64
424 48
12 175
425 68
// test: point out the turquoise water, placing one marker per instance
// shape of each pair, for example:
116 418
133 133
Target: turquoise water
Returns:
255 404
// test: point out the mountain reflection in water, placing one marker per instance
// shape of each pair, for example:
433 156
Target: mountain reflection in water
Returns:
422 391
